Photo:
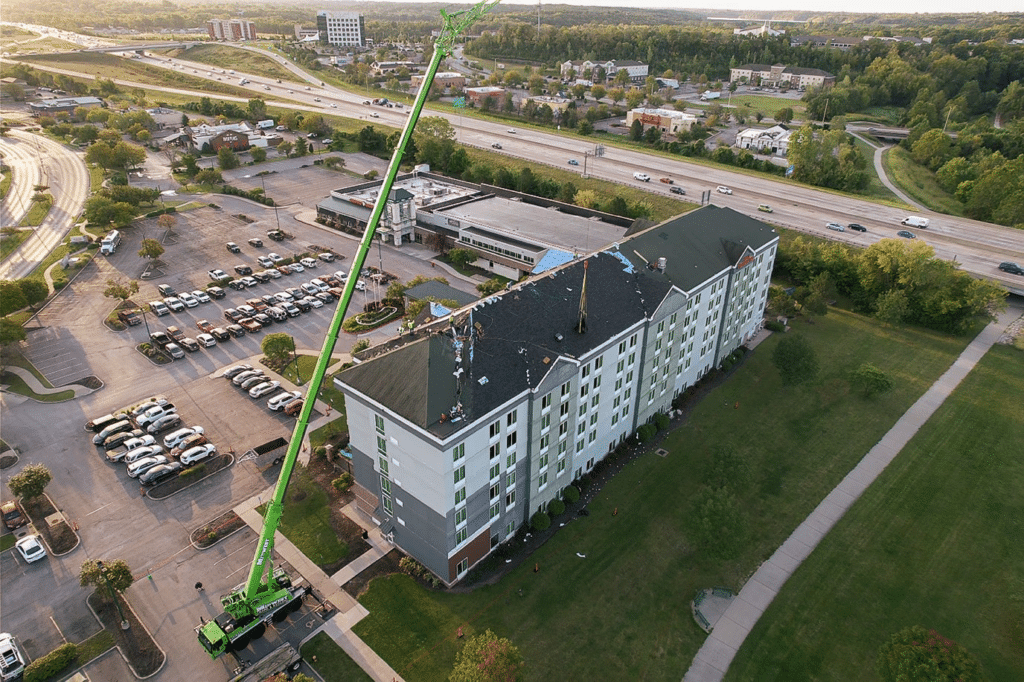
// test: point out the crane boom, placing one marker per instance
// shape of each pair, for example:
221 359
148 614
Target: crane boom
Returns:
268 590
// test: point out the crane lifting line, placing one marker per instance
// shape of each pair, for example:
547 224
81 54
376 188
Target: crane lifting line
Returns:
261 572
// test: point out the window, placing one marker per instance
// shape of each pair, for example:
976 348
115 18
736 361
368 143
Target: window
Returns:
661 326
598 363
543 461
459 452
463 566
563 429
545 422
510 440
460 496
595 400
561 466
382 445
510 480
580 445
562 447
586 371
494 491
625 411
629 378
622 348
385 502
581 427
618 385
495 510
545 402
460 517
511 528
542 481
565 389
564 410
460 473
460 536
544 442
385 485
619 367
510 418
592 437
597 382
615 419
510 498
495 450
593 419
632 358
383 462
495 428
632 340
583 408
379 423
510 461
495 471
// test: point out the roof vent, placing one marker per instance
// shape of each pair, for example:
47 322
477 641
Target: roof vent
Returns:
662 263
482 380
547 360
558 337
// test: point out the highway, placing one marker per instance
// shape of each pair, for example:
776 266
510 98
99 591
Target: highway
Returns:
977 246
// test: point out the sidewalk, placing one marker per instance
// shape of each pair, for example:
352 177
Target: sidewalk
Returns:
33 383
716 654
880 170
350 612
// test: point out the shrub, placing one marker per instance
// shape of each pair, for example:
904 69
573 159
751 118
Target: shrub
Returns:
540 521
661 420
320 451
571 494
555 507
775 326
343 482
51 664
193 471
360 346
646 432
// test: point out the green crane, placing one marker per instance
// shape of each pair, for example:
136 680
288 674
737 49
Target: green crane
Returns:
269 594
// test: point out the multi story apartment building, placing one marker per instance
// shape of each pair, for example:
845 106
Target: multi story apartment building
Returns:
482 418
778 74
231 29
344 29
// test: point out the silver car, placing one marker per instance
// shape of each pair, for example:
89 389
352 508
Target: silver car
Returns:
143 465
142 453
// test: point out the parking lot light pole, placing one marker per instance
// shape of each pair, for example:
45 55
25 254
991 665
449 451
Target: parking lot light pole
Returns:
113 595
295 355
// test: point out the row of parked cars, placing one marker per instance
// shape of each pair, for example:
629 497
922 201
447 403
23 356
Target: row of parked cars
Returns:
30 547
259 385
150 439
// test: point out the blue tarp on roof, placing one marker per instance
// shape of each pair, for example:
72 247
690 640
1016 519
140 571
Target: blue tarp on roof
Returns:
552 259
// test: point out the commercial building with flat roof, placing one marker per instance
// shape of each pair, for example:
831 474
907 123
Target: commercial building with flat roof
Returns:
343 29
231 29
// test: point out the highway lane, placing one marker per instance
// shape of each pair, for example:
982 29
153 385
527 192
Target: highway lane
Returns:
979 247
24 161
68 179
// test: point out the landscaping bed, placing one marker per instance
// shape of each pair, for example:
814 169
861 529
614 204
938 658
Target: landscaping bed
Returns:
187 477
60 537
154 354
386 565
135 643
221 527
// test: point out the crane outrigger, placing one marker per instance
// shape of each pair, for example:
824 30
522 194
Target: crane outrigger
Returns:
269 593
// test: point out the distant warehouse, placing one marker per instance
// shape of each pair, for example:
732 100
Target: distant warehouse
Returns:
63 104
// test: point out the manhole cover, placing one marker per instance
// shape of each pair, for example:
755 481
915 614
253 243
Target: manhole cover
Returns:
55 519
661 452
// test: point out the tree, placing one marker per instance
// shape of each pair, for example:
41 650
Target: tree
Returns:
717 524
259 154
116 574
784 115
598 92
151 248
892 307
918 655
491 286
461 257
103 211
11 331
226 158
870 380
933 149
31 482
121 288
257 109
795 359
211 176
166 221
487 658
277 347
12 298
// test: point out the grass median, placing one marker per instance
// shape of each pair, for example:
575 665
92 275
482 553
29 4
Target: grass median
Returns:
936 541
623 611
330 661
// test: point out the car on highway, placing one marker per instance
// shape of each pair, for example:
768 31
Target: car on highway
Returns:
135 454
168 421
676 189
160 473
835 226
12 662
216 275
496 145
13 518
31 549
1011 268
265 388
722 189
856 227
573 162
764 208
141 466
906 234
201 296
199 452
174 439
642 177
317 99
281 400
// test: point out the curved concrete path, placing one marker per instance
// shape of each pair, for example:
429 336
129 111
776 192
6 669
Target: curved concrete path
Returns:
880 169
34 384
714 657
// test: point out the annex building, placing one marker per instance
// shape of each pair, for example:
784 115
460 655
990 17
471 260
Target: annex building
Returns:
476 421
341 29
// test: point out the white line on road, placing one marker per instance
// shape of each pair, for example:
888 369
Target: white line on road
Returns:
96 510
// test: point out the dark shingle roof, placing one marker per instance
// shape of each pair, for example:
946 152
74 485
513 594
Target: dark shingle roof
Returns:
438 291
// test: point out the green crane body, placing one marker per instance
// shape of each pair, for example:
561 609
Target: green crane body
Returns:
267 590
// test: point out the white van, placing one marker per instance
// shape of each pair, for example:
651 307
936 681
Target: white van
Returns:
110 242
915 221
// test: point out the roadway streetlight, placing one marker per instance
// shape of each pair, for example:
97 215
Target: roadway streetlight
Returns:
113 595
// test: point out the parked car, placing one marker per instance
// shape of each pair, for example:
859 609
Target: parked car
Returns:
297 267
201 296
31 549
165 290
722 189
327 257
233 247
906 234
148 404
175 438
189 344
325 296
175 351
275 257
174 303
239 377
250 325
206 340
217 274
255 241
642 177
235 330
232 372
236 284
260 276
159 309
168 421
132 444
308 262
290 309
243 270
188 299
276 235
249 282
160 473
319 284
13 518
262 319
11 659
194 454
282 400
295 292
216 292
857 227
249 382
835 226
189 442
118 439
303 305
136 454
265 388
110 430
312 302
264 261
129 317
283 297
293 409
141 466
276 314
220 334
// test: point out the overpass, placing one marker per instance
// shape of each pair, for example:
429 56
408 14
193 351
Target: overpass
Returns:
135 47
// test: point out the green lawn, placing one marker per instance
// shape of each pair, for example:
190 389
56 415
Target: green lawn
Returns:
229 57
7 541
936 541
331 662
37 211
875 187
748 105
918 182
306 520
9 242
623 612
306 365
5 182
